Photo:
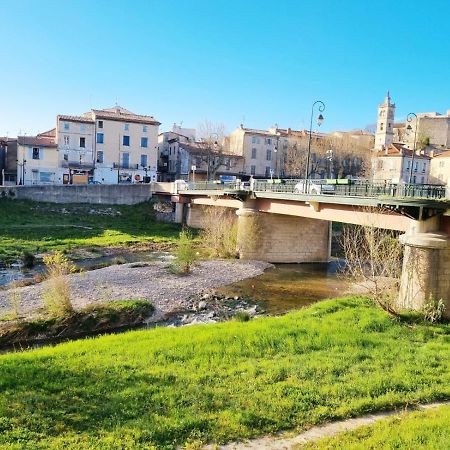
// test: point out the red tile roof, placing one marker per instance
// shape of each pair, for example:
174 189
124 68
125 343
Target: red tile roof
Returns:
75 119
399 150
121 114
36 141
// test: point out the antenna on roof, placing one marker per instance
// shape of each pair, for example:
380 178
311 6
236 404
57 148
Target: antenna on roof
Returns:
243 120
181 124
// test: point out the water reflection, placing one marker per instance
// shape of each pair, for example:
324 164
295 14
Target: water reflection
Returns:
291 286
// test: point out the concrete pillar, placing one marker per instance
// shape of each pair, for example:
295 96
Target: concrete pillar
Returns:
426 270
281 238
179 209
194 216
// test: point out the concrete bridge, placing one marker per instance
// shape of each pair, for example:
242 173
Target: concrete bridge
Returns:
280 225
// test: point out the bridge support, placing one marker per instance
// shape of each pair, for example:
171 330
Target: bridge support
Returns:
281 238
426 270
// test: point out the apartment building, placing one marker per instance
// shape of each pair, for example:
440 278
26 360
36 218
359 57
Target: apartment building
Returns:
393 164
183 157
37 159
440 169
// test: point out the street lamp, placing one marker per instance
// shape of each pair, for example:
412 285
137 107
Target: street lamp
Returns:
321 108
409 118
330 162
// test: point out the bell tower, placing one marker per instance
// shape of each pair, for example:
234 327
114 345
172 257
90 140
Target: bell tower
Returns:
384 135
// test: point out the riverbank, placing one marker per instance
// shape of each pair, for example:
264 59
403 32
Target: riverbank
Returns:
36 228
173 387
168 292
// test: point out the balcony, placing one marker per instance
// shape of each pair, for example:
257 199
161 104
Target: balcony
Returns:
126 166
83 165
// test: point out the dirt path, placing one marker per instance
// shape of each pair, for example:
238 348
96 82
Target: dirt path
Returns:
286 441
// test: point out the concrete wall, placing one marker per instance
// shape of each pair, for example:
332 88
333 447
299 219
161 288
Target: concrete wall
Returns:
129 194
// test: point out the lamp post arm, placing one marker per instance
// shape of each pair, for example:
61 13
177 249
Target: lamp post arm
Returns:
321 109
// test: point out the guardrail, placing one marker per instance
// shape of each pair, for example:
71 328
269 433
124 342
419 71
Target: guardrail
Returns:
367 189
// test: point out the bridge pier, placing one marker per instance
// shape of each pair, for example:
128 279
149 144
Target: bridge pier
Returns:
281 238
426 270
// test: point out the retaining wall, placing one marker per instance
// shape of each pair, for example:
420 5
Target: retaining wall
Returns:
112 194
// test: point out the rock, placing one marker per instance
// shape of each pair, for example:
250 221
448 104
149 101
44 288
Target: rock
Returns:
206 296
236 297
201 305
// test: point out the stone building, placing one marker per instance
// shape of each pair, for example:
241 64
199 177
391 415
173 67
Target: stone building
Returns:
395 164
440 170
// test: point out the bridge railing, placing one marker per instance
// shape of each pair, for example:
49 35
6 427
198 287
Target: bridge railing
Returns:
353 189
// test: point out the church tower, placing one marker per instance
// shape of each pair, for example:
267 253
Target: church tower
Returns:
384 135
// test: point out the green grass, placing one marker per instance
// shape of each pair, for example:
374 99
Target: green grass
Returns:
38 227
428 430
165 387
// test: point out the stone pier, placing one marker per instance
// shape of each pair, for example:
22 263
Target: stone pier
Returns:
281 238
426 271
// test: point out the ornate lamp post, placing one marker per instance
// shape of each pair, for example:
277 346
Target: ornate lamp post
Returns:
409 118
321 108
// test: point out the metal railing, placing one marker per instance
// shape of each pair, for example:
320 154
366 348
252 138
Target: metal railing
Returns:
360 188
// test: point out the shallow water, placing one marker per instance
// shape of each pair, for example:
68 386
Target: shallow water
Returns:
290 286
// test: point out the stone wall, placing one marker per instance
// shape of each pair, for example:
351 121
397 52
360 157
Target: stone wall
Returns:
112 194
280 238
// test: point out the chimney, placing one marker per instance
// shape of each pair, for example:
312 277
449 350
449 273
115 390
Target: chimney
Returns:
242 126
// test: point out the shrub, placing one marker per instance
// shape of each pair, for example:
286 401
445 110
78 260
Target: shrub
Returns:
433 311
219 233
27 260
57 291
242 316
185 254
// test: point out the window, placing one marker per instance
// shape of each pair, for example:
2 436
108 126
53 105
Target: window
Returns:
253 153
422 180
36 153
424 168
66 140
381 126
269 155
126 141
145 129
82 142
253 170
100 137
82 128
125 160
66 157
255 140
416 166
267 171
144 160
227 163
100 157
441 163
45 177
127 126
144 142
268 141
100 124
66 125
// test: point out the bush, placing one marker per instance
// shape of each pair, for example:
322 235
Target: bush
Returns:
433 311
27 260
185 254
242 316
57 291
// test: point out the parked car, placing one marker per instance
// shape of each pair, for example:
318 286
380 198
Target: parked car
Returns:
314 188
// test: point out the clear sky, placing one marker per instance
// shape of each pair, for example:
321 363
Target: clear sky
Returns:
222 60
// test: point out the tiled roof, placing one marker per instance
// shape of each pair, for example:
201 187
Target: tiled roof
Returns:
49 133
445 154
399 150
75 119
37 141
121 114
200 148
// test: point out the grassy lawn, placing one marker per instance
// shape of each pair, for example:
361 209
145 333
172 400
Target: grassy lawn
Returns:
428 430
39 227
166 387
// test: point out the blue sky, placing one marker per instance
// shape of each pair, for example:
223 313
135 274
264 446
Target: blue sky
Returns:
222 60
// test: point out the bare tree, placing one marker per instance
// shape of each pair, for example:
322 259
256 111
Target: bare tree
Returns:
374 261
214 150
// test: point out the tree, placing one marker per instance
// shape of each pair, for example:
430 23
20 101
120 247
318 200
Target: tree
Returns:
374 261
213 149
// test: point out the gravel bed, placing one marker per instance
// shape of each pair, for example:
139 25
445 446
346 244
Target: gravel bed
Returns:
168 292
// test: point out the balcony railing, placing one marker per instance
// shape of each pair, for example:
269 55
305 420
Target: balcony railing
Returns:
125 166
